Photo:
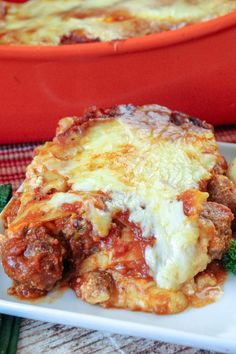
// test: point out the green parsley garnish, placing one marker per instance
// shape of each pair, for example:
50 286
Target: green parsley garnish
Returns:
9 325
229 259
5 195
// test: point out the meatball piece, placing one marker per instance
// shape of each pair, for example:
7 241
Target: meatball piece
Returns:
94 287
77 233
221 217
222 190
34 262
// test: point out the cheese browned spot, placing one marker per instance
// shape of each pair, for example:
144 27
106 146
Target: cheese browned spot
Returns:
53 22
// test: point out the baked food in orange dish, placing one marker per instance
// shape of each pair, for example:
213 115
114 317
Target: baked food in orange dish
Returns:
126 205
50 22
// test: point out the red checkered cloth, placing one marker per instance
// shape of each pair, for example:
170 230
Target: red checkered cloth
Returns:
13 162
14 158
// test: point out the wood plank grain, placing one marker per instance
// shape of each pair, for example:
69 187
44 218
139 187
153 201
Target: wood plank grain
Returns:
39 337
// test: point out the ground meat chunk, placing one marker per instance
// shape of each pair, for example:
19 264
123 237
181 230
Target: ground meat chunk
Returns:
222 190
77 234
221 217
94 287
77 37
34 261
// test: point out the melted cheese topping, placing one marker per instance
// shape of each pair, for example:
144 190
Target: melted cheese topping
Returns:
47 21
138 162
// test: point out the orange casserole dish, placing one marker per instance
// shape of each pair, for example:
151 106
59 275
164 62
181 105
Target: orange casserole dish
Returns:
189 69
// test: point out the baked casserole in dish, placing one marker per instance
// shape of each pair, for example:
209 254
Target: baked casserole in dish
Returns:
188 65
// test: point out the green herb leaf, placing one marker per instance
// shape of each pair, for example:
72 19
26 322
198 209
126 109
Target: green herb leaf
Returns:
12 345
9 325
229 259
5 333
5 195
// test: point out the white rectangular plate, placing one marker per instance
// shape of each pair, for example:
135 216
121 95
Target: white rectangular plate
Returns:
212 327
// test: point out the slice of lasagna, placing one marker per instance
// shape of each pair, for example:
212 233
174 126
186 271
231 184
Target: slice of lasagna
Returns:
50 22
118 205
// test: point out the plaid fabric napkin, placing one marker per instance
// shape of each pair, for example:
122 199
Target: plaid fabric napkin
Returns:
15 158
13 162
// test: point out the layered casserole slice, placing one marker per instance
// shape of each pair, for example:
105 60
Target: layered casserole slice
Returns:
125 205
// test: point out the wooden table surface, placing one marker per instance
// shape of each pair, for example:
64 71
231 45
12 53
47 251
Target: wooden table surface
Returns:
39 337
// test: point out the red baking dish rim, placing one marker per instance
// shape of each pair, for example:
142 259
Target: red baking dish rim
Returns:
149 42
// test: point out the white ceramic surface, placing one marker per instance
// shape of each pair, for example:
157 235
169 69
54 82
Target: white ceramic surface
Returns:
212 327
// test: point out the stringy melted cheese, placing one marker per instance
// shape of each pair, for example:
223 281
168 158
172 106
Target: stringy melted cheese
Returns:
141 164
47 21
